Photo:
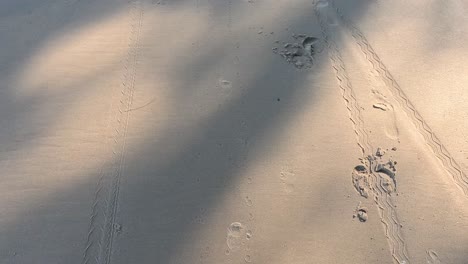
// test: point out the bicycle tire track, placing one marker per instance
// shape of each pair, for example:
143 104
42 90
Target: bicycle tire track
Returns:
129 87
381 197
347 93
389 218
102 227
439 150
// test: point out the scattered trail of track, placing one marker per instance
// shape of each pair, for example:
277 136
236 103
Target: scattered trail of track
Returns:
380 195
439 150
102 226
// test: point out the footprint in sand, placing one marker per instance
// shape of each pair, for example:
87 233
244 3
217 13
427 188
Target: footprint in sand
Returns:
387 110
324 7
200 218
387 177
322 3
288 179
224 86
386 169
248 235
360 177
432 257
312 45
361 213
248 201
236 234
205 255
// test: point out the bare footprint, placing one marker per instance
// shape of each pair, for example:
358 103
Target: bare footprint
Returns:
432 257
361 213
301 53
200 218
225 86
235 236
324 7
308 45
288 179
322 4
205 255
386 169
360 176
248 201
389 117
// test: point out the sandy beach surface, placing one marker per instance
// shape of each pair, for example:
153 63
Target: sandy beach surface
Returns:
233 131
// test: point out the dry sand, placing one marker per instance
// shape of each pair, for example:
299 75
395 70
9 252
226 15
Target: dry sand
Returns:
234 131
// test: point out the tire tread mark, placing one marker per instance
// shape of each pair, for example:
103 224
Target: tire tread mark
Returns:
101 231
113 206
382 199
346 91
438 149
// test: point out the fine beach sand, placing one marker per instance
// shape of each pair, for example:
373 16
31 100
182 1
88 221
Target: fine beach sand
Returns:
233 131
